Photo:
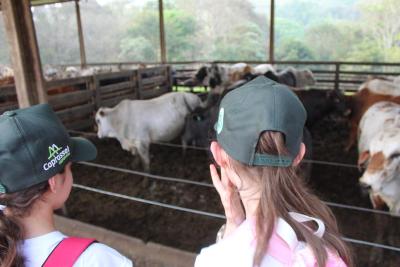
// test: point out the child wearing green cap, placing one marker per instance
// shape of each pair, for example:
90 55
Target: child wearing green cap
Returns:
272 218
35 179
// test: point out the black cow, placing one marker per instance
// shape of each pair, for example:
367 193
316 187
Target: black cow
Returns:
199 124
319 103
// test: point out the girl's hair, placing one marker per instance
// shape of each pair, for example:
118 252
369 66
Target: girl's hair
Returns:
283 191
19 204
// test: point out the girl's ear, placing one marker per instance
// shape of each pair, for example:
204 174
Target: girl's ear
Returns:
300 155
53 184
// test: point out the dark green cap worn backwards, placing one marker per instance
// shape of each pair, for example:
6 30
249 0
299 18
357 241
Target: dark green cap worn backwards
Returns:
257 106
35 146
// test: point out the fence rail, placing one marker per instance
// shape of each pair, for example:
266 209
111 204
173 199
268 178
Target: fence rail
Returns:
75 100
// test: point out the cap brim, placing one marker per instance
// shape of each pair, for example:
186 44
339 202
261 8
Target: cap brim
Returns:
82 149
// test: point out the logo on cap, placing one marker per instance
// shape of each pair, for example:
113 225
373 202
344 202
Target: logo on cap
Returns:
56 155
2 189
53 150
220 123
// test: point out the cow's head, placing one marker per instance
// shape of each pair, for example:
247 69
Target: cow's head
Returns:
382 168
210 76
338 101
104 127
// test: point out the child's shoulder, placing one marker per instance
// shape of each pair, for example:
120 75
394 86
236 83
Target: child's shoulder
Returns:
99 254
304 257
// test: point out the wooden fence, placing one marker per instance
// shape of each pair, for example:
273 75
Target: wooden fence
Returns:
346 76
76 100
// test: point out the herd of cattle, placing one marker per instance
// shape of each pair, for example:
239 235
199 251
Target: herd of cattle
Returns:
51 72
373 112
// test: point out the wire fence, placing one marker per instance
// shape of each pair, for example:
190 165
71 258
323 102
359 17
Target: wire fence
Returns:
320 162
209 185
145 174
210 214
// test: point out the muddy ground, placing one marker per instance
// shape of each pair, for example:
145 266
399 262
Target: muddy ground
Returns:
192 232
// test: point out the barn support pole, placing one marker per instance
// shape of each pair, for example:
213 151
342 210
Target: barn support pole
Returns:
272 32
337 75
162 32
25 56
82 49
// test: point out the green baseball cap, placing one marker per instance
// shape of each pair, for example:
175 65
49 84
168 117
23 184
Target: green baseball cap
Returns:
257 106
35 146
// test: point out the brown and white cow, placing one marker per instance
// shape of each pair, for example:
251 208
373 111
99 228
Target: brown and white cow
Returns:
379 152
369 93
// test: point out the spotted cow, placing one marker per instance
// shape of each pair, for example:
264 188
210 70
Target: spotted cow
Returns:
379 153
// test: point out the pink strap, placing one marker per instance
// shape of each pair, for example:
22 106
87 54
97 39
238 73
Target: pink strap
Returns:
67 252
279 250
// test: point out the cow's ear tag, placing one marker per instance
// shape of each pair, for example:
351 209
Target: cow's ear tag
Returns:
220 123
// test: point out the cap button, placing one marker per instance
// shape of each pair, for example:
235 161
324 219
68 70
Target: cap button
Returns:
9 113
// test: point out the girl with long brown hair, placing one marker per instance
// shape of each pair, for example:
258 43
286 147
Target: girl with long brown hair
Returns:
272 218
36 154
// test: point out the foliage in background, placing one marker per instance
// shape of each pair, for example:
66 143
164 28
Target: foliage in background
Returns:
128 30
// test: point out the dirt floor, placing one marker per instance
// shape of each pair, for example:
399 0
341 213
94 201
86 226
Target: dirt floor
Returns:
192 232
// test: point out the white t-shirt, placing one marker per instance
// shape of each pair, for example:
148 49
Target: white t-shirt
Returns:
37 249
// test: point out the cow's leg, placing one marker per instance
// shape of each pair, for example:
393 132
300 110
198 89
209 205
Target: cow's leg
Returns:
144 154
352 136
184 146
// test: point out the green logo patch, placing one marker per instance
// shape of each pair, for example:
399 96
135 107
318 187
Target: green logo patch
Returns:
220 123
57 155
2 189
53 151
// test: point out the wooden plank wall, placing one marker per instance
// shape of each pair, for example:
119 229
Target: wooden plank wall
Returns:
111 88
76 100
154 82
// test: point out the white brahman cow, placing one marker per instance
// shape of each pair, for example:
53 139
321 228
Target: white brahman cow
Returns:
138 123
379 151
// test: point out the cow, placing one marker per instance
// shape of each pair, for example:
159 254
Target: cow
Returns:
199 123
292 77
138 123
368 93
219 77
379 152
320 103
262 69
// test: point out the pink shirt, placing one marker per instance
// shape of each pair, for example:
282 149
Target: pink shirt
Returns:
237 249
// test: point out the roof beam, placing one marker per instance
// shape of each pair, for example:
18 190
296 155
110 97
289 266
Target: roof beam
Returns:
82 49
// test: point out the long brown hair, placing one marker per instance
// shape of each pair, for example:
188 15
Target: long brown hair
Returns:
283 191
18 205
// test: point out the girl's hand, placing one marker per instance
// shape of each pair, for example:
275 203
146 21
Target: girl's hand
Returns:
230 199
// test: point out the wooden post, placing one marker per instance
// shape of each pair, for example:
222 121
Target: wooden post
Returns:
272 32
25 56
82 49
337 75
162 32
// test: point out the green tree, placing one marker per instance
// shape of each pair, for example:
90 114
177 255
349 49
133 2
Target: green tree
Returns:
294 50
383 24
180 38
241 43
144 27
